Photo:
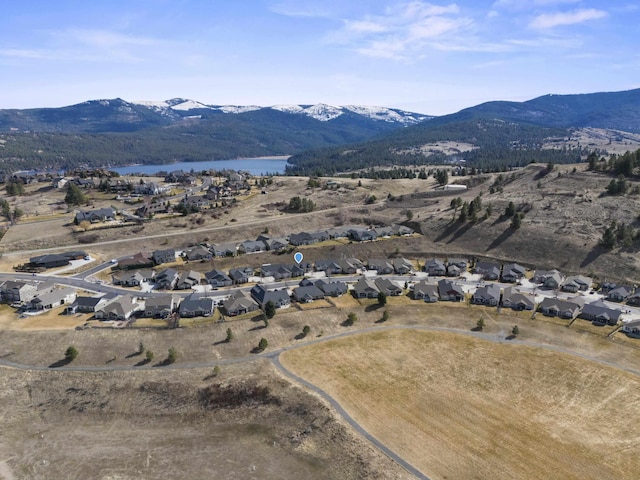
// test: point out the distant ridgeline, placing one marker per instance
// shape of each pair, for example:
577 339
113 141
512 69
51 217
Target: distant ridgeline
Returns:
498 144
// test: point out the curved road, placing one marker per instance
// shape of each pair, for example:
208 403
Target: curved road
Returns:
274 357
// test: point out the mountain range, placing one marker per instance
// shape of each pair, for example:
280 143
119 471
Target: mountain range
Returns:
322 138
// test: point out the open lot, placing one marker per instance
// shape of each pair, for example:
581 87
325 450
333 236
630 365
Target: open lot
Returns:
463 408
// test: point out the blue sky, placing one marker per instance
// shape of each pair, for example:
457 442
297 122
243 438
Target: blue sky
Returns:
429 57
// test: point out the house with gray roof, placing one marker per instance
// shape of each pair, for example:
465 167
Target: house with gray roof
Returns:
487 295
488 270
632 329
329 266
161 306
280 298
308 293
362 235
449 291
600 313
167 255
556 307
381 265
239 303
435 267
252 246
401 230
120 308
365 288
197 252
302 238
388 287
85 304
551 279
93 216
461 263
240 275
53 299
188 279
224 249
576 283
217 278
513 272
634 299
18 291
196 305
167 279
620 293
453 270
512 298
425 291
331 288
402 266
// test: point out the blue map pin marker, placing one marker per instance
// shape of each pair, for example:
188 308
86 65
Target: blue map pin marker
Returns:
298 257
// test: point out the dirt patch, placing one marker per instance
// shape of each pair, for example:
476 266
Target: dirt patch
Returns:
460 407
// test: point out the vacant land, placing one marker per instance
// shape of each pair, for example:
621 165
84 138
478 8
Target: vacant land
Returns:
463 408
244 422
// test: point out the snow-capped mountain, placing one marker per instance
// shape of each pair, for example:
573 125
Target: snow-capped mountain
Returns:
320 111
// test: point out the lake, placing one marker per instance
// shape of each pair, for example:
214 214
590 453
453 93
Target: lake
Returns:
255 166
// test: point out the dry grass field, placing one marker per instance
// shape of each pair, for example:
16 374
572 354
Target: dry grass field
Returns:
463 408
245 422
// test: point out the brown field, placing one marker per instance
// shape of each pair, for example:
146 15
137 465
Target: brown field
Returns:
162 424
464 408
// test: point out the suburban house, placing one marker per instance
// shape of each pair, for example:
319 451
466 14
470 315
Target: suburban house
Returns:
17 291
196 253
303 238
240 275
151 208
632 329
487 270
365 288
382 266
576 283
307 293
273 244
383 232
461 263
488 295
512 298
449 291
454 270
128 279
93 216
52 299
388 287
600 313
252 246
513 272
329 267
551 279
435 267
362 235
196 306
164 256
425 291
167 279
401 230
188 279
217 278
556 307
620 293
120 308
139 260
332 288
59 182
239 303
224 250
195 202
279 271
280 298
402 266
84 304
50 260
161 306
634 299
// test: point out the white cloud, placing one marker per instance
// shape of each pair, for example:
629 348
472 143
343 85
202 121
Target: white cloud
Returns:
550 20
401 30
526 4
